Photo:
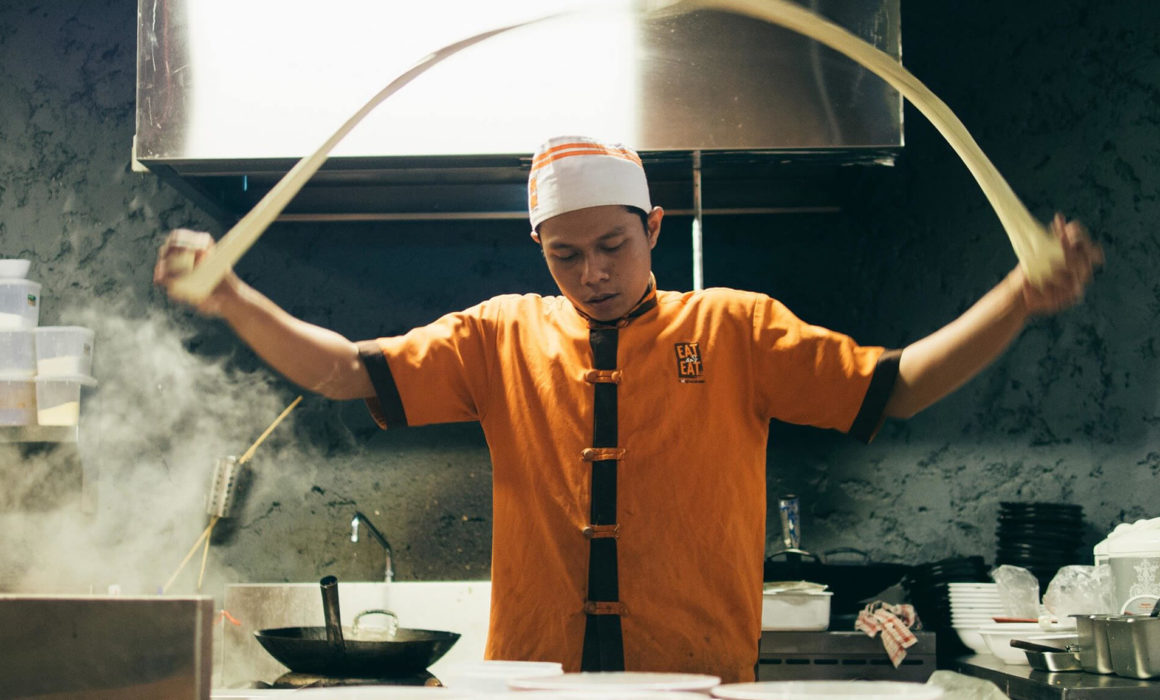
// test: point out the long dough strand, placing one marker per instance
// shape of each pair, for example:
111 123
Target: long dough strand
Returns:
1037 251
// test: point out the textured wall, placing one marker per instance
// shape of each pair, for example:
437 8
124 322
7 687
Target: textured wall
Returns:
1063 96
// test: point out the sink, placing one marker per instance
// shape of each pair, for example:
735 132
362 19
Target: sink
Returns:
455 606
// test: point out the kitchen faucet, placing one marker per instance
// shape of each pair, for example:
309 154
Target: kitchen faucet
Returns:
389 570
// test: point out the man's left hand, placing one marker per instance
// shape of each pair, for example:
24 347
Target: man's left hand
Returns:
1066 284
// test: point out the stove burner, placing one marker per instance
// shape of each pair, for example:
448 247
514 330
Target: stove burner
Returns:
310 680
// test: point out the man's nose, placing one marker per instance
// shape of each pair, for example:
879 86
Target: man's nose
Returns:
595 269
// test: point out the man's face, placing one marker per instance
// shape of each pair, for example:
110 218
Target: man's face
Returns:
600 257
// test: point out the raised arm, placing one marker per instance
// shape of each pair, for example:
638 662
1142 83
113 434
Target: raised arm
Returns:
312 357
943 361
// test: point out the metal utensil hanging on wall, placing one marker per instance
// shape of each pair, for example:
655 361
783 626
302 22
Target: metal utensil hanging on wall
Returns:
228 487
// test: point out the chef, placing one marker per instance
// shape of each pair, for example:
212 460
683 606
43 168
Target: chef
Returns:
628 424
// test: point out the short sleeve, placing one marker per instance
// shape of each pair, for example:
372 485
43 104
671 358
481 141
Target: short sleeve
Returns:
436 373
809 375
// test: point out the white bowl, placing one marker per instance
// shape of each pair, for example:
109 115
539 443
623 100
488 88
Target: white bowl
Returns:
827 690
494 676
618 681
12 268
380 692
591 695
972 638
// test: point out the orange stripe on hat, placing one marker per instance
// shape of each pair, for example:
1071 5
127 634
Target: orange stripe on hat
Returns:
582 149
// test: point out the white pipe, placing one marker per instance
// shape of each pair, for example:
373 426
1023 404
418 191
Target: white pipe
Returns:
698 258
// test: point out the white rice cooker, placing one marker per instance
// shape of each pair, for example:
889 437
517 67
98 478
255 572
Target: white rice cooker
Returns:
1134 557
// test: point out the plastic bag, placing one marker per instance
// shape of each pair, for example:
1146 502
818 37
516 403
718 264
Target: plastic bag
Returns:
1018 591
956 686
1080 589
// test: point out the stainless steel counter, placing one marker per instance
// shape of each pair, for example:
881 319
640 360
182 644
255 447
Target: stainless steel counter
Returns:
1025 683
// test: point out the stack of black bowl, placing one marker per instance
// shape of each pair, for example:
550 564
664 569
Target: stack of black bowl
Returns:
1040 537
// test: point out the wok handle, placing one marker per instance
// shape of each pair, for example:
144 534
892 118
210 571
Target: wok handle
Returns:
332 614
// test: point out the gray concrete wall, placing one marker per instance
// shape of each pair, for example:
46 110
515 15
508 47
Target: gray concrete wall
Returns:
1063 96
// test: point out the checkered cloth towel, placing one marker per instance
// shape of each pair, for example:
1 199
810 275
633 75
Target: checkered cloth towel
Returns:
894 623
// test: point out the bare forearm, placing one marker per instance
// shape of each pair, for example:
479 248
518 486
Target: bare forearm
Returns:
313 357
943 361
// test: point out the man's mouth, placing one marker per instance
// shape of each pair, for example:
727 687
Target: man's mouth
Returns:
600 299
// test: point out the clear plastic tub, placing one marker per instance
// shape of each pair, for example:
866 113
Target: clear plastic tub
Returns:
17 401
19 304
64 351
58 399
17 354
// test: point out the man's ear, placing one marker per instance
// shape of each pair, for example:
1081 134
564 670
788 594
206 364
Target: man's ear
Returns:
654 225
535 237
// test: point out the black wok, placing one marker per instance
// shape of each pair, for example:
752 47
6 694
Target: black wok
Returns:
336 651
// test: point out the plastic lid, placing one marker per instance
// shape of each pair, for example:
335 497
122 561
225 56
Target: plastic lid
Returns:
16 377
1136 541
77 378
58 329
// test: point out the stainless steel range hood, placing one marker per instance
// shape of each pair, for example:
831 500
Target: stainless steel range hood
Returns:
230 94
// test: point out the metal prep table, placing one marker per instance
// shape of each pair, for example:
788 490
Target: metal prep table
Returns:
1025 683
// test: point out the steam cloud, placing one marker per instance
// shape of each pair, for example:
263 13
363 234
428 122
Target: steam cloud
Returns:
149 436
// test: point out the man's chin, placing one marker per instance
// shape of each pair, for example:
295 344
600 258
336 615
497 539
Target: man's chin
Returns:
601 313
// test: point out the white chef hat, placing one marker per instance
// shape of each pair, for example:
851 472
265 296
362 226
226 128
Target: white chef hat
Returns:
575 172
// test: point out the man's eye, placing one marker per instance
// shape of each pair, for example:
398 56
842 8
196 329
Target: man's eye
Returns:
565 258
611 248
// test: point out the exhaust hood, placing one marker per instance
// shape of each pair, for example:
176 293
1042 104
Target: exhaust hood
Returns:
231 94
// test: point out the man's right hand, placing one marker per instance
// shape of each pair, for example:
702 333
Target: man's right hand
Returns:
182 251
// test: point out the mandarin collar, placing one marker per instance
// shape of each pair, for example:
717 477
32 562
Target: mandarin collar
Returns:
646 303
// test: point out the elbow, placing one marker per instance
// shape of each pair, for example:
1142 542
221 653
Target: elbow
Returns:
903 403
345 381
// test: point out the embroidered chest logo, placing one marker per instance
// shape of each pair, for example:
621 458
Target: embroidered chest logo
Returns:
690 368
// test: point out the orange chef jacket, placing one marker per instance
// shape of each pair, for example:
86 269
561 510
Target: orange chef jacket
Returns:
698 377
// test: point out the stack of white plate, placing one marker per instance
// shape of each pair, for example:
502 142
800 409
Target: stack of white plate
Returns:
973 608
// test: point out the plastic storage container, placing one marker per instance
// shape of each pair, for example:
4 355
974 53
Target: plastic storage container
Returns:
17 401
803 610
19 304
64 351
58 399
17 354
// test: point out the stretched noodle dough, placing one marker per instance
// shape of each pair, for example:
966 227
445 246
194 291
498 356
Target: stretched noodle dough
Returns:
1036 249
